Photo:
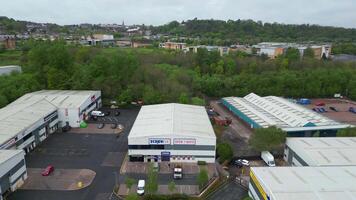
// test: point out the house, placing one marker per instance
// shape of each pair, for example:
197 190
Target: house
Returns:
174 45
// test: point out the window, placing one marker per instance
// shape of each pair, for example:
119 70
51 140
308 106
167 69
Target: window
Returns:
146 146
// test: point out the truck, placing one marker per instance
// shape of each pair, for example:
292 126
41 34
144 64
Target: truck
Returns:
178 172
268 158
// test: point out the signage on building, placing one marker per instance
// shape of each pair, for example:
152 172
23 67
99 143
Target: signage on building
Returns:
92 98
8 144
184 141
159 141
165 153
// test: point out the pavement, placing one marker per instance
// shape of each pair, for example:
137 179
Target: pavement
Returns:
60 179
81 151
229 191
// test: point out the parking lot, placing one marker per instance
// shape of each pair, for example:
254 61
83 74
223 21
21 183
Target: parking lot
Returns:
101 153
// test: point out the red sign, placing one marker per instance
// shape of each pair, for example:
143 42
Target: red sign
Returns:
183 141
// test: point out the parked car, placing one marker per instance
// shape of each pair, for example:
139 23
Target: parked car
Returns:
100 126
93 117
97 113
320 104
48 170
241 163
113 126
333 108
117 113
141 187
107 113
178 172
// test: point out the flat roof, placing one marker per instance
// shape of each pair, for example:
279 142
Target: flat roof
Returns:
60 98
172 119
323 183
282 113
340 151
17 117
5 155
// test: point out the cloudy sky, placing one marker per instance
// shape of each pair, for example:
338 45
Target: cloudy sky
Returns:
323 12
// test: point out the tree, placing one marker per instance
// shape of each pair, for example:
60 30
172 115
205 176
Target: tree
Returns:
292 54
198 101
267 139
183 98
152 184
202 178
309 53
129 182
347 132
171 186
225 152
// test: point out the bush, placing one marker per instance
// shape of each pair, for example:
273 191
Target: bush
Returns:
225 152
267 139
202 178
200 162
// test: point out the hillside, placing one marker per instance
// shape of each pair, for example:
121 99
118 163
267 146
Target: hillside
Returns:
248 31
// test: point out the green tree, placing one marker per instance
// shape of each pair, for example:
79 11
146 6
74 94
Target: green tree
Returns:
308 53
225 152
3 101
292 54
152 183
129 182
202 178
171 186
347 132
198 101
267 139
183 98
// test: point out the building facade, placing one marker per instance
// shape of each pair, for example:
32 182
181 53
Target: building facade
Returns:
13 171
172 133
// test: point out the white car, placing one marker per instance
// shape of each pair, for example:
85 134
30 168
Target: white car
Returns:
141 187
241 162
97 113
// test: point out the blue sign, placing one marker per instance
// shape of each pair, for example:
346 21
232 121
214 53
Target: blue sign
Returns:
165 153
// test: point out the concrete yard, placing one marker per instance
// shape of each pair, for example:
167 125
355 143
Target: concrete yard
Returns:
60 179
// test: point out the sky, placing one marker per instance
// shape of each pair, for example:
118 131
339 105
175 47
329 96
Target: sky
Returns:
340 13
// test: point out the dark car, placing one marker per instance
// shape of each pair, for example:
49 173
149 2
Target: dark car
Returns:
241 162
107 113
100 126
48 170
113 126
93 117
117 113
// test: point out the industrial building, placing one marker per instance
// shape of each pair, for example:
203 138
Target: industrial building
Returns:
172 132
312 183
313 151
296 120
13 171
30 119
7 70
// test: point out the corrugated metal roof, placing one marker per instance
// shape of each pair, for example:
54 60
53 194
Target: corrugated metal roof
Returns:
319 183
172 120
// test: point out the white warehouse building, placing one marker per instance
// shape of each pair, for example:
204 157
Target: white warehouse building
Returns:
340 151
13 171
30 119
304 183
173 133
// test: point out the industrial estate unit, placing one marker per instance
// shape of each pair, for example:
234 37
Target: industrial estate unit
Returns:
280 183
296 120
172 132
7 70
30 119
12 170
321 151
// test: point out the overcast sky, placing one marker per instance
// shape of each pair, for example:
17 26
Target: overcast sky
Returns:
323 12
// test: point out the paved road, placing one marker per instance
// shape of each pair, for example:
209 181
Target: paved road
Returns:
230 191
80 151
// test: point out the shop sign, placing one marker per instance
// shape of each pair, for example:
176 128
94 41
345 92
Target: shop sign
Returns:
159 141
184 141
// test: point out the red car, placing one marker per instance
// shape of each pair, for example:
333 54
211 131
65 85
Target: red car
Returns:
320 104
48 170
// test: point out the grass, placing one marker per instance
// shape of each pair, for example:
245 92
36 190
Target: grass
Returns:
10 57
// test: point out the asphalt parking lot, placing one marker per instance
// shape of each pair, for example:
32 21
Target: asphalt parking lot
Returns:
81 151
230 191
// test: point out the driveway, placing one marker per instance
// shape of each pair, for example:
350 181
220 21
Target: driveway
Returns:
81 151
230 191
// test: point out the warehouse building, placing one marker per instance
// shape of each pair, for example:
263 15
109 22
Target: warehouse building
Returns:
313 151
13 171
172 132
30 119
73 106
312 183
23 125
263 112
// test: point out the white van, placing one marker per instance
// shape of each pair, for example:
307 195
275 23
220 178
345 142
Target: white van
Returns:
141 187
268 158
97 113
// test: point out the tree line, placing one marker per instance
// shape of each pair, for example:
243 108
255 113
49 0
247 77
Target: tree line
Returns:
158 76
